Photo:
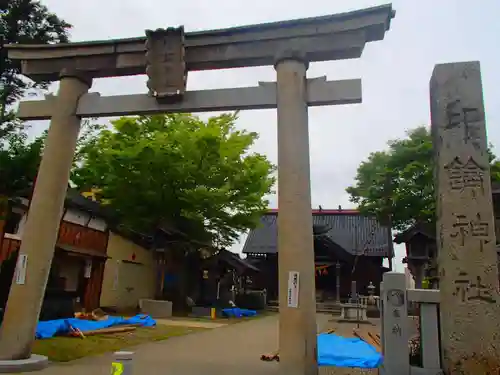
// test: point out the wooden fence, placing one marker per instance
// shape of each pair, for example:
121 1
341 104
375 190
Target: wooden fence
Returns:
398 327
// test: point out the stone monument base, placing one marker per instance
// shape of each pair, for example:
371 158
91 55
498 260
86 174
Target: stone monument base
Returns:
33 363
353 312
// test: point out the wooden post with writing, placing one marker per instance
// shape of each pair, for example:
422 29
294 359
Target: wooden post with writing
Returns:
394 320
468 271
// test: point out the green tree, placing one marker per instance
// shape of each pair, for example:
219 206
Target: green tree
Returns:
19 163
178 171
20 158
26 22
400 181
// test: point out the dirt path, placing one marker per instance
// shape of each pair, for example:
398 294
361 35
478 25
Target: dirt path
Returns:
233 349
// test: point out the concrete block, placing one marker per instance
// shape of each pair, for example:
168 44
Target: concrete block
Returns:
156 308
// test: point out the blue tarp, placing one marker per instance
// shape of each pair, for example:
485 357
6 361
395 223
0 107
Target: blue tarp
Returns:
341 351
238 313
51 328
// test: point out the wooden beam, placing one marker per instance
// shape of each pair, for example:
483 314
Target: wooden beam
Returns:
338 36
320 92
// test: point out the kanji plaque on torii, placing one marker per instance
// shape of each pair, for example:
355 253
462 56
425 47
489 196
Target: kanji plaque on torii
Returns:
165 63
167 56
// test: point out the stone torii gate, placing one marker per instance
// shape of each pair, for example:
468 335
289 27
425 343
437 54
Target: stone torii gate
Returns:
166 56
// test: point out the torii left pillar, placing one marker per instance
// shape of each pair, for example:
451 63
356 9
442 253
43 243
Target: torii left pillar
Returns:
40 235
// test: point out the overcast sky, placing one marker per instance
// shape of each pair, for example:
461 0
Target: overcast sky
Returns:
395 72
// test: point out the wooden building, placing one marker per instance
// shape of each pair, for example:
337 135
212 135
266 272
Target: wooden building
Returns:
90 254
80 253
222 276
347 246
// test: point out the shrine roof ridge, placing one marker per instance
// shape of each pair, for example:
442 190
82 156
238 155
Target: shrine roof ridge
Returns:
332 37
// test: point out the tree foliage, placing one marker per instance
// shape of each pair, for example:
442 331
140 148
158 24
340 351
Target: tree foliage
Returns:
177 170
400 181
27 22
19 163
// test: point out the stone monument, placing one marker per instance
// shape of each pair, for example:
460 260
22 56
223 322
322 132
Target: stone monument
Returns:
468 272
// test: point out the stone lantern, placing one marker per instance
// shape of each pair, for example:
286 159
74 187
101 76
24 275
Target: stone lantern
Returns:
371 293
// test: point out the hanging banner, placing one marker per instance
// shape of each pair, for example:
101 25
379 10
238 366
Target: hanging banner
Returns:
293 289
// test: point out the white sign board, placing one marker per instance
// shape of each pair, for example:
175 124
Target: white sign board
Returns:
293 289
20 275
88 269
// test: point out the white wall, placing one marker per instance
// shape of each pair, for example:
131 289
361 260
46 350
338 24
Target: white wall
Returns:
71 216
82 218
76 217
98 224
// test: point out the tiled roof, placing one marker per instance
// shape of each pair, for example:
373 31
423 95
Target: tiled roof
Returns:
347 228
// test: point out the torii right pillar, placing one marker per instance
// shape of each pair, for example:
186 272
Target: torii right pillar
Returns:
468 270
297 326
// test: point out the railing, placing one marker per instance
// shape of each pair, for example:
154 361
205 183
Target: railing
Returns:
82 237
395 335
70 234
367 300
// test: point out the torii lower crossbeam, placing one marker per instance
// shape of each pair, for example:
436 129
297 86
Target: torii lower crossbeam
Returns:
319 92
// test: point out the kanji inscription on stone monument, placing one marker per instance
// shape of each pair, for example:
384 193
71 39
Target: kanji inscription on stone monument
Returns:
470 304
471 227
468 175
467 119
468 290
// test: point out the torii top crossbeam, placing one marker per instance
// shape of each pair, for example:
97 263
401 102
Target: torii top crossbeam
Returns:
333 37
